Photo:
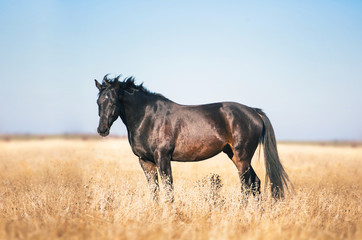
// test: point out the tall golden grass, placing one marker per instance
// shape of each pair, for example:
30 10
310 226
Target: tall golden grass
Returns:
95 189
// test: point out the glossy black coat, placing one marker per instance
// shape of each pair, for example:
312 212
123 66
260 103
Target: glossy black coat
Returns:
161 131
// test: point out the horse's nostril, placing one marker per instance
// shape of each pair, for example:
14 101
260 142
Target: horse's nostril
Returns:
103 132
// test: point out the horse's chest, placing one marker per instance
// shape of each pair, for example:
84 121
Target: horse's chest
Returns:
142 145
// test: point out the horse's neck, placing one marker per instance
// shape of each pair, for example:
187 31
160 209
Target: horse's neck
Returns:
134 109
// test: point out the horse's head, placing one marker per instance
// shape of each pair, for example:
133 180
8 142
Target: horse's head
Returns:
108 104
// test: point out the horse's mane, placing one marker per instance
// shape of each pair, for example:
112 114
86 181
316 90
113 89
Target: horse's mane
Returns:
129 84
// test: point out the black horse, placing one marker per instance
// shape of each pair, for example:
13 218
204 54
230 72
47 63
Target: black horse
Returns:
161 131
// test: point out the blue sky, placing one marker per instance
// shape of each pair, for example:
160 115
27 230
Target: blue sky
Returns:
300 61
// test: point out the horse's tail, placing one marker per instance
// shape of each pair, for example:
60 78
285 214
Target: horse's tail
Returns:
275 173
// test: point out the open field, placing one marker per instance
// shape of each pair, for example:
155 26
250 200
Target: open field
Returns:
95 189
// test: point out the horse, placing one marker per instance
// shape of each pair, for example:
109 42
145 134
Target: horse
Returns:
161 131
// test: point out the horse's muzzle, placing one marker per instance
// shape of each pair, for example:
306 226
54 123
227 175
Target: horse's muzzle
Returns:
103 133
103 130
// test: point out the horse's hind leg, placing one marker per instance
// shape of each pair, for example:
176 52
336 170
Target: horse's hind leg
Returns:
250 183
150 170
249 180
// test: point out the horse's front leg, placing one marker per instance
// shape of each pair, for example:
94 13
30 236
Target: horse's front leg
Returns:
150 170
163 162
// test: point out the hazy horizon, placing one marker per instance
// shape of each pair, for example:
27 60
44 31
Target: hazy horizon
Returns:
299 62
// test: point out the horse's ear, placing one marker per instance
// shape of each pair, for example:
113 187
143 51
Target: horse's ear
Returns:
98 85
106 81
118 77
116 84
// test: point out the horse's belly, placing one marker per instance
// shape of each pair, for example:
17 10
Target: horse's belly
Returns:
197 149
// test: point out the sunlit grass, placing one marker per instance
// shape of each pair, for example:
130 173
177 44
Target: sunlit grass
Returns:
95 189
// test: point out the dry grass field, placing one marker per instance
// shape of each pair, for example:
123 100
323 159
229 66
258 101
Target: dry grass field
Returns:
95 189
